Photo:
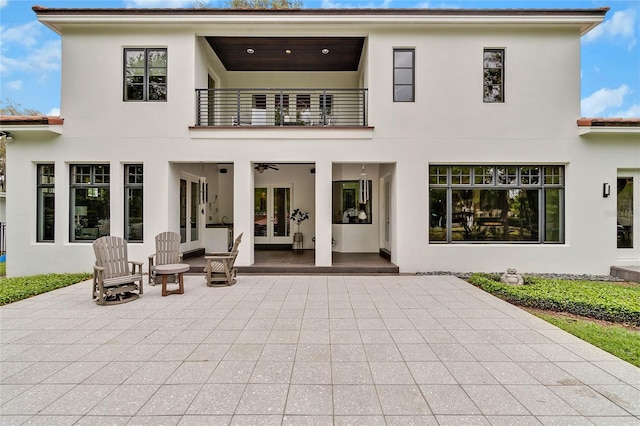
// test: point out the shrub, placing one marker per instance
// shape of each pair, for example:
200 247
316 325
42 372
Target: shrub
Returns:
606 302
18 288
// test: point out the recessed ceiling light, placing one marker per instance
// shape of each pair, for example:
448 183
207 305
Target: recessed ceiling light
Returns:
325 51
250 51
288 51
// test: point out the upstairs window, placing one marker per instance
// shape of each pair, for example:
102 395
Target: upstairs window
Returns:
403 75
493 69
145 74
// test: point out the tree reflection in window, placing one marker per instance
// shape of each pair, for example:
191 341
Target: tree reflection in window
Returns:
493 203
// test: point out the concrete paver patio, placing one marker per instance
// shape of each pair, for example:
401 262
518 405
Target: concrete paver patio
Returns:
303 350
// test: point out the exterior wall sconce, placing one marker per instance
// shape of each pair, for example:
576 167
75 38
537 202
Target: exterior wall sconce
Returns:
606 190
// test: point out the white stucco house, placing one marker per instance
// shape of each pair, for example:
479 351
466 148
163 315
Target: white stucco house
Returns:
450 140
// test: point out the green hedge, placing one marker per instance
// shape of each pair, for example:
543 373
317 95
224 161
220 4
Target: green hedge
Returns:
18 288
609 302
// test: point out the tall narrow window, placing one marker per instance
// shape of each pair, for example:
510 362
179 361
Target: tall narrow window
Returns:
403 75
133 202
493 69
89 193
145 74
281 102
326 103
625 211
46 203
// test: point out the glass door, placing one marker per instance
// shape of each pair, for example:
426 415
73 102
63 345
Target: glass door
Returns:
386 241
190 213
271 212
627 207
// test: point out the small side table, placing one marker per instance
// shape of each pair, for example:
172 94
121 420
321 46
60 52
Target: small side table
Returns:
172 269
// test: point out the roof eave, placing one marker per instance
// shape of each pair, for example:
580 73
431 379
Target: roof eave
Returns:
586 19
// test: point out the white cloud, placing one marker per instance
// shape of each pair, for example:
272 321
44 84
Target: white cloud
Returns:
598 102
3 3
24 35
632 112
158 3
55 112
44 58
621 26
14 85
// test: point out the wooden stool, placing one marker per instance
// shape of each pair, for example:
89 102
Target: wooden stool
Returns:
171 269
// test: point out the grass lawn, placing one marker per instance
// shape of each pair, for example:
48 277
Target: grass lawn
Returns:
593 301
619 341
18 288
3 269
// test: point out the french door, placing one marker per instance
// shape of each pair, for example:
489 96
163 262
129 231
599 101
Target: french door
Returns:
190 212
271 212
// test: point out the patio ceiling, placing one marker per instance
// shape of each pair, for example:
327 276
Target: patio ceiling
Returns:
288 53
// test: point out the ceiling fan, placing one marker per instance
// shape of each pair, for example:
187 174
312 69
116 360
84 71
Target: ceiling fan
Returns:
261 167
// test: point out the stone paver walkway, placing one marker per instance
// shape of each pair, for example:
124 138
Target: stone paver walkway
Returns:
303 350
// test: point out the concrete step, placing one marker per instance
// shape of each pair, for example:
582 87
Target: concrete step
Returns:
627 273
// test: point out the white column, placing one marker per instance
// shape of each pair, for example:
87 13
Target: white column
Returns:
243 210
323 213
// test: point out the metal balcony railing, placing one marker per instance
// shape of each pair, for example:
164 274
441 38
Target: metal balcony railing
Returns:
281 107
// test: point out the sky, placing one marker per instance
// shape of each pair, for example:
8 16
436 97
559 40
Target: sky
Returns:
610 68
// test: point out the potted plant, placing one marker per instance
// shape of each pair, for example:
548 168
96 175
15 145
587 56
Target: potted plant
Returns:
298 216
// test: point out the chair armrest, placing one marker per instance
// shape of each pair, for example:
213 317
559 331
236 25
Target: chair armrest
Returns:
136 265
218 253
98 271
221 256
151 259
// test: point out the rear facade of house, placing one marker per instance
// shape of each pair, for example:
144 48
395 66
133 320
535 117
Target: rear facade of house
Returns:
447 139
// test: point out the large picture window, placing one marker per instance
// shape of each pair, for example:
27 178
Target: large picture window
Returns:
494 203
46 203
145 74
89 202
133 205
403 75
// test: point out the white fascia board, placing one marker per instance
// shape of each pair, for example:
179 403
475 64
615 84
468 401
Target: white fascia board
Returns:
611 130
32 129
275 132
56 22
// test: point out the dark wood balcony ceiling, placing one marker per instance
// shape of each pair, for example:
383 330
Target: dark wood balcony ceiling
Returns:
306 53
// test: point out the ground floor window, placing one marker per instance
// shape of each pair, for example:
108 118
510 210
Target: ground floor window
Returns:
625 211
133 203
46 203
89 193
351 201
493 203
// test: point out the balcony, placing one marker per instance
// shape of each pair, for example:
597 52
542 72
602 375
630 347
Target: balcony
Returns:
281 107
